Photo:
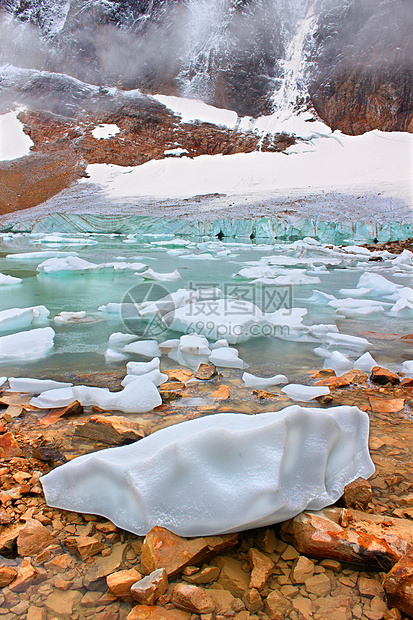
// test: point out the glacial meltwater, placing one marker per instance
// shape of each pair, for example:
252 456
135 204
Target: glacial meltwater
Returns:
367 296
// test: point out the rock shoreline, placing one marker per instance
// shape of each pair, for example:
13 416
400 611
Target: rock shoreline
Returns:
304 569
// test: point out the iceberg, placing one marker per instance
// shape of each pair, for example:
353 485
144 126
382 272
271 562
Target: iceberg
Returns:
67 264
150 274
379 284
220 473
26 346
403 309
258 382
407 367
35 386
51 399
304 393
155 376
365 363
3 380
17 319
142 368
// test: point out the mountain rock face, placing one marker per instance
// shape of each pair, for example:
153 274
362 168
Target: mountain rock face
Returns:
230 53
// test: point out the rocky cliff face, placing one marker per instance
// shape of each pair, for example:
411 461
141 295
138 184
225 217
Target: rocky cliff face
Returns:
227 52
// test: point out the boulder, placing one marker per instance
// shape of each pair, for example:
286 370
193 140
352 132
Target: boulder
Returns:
207 574
163 549
206 372
302 569
350 536
84 546
232 577
27 575
7 574
398 585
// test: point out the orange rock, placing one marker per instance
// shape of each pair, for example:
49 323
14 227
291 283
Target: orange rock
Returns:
302 569
386 405
120 583
382 376
261 566
152 612
206 372
334 382
324 373
7 574
398 585
355 376
85 546
9 446
150 588
370 587
8 538
222 393
27 575
113 430
350 536
36 613
179 374
232 576
208 574
253 601
192 598
266 541
407 382
357 494
163 549
276 603
33 538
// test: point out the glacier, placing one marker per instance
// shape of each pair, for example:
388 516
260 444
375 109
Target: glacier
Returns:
221 473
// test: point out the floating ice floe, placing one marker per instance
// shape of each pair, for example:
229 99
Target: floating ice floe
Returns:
221 473
403 309
319 297
252 381
66 265
16 319
227 357
349 344
3 380
304 393
379 284
145 348
112 356
40 255
35 386
365 363
9 280
150 274
26 346
360 312
191 350
355 292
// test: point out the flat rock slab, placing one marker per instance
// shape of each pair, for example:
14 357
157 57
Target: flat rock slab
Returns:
111 430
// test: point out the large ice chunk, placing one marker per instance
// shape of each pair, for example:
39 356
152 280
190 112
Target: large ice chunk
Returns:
220 473
304 393
9 280
259 382
16 319
26 346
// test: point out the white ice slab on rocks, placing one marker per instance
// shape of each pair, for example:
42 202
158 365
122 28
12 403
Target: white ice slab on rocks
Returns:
150 274
338 362
142 368
193 109
140 396
407 367
257 382
3 380
145 348
26 346
16 319
227 357
221 473
365 363
304 393
50 399
35 386
9 280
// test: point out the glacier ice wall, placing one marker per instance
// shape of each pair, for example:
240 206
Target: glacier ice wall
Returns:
221 473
